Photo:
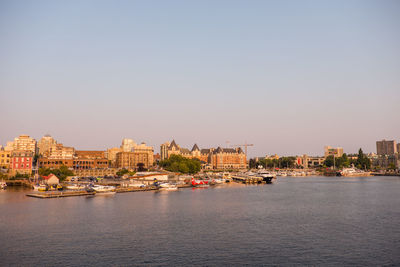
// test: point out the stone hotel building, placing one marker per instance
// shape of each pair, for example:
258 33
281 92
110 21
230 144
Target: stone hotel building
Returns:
211 158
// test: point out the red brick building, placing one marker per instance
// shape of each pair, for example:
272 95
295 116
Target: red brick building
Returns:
21 162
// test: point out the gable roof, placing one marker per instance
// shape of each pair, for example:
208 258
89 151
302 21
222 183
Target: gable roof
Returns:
173 144
195 148
49 176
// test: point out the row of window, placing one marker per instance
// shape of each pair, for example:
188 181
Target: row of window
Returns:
22 159
3 155
22 166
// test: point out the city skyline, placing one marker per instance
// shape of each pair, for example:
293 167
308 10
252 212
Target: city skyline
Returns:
190 145
288 77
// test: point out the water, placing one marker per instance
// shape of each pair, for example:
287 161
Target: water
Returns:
295 221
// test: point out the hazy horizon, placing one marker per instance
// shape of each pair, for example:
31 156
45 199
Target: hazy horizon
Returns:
287 76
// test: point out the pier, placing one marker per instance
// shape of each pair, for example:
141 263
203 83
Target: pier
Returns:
56 194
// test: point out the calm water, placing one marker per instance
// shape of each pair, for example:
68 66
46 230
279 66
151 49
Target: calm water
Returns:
295 221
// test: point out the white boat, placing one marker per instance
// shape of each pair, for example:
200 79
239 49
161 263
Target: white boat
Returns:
104 189
75 187
168 187
219 181
354 172
3 185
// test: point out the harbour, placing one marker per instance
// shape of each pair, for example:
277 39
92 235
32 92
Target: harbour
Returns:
293 221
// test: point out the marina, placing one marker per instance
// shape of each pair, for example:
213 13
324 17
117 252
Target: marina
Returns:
255 224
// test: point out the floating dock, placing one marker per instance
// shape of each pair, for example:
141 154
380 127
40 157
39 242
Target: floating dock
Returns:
61 194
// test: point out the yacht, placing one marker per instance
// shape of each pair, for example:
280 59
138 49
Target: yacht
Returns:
75 187
103 188
168 187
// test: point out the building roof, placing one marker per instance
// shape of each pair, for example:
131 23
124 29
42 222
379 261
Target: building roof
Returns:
184 150
49 176
205 151
195 148
173 144
225 150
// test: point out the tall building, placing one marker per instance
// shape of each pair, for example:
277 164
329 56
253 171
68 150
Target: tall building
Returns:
25 143
164 150
45 143
127 145
214 158
385 147
333 151
58 151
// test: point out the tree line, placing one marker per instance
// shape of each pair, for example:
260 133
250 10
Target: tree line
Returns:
177 163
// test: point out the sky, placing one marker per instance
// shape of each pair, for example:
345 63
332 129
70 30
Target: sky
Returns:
287 76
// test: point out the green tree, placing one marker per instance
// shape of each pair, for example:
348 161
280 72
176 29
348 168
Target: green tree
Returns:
177 163
122 172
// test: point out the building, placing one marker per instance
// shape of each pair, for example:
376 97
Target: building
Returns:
211 158
228 158
5 158
21 162
127 145
111 154
58 151
333 151
90 154
309 162
133 160
75 164
24 143
95 172
385 147
143 148
44 145
385 161
51 179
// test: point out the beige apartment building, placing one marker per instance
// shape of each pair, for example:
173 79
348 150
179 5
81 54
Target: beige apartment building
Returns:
45 144
333 151
58 151
131 160
23 143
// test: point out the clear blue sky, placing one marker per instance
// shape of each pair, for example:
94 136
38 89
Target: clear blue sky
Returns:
287 76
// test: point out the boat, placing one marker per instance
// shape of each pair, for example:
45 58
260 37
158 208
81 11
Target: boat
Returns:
353 172
3 185
199 183
75 187
168 187
42 187
103 188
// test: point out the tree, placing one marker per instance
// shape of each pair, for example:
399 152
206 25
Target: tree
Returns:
122 172
141 167
62 173
362 161
177 163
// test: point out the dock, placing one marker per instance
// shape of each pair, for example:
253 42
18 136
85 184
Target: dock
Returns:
56 194
135 189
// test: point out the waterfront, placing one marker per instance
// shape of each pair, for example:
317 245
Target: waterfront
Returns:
303 221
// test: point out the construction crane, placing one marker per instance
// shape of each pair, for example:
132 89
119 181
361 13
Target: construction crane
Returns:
245 147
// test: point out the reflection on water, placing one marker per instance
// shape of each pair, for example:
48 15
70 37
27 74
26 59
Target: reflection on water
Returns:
295 221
